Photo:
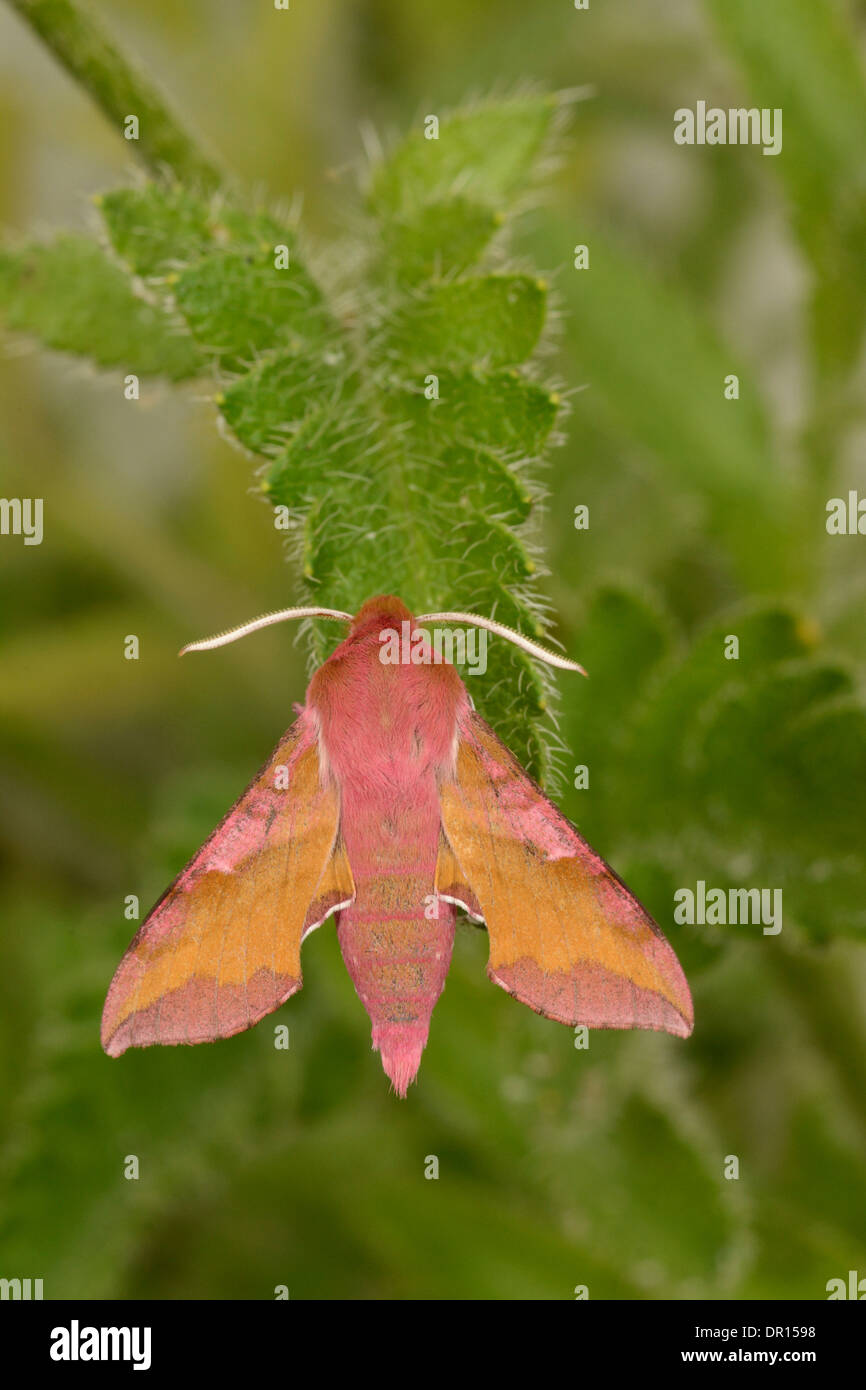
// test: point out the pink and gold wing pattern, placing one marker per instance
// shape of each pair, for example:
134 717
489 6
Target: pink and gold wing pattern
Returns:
566 936
222 946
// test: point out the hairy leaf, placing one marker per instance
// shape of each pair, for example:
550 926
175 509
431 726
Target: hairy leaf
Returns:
68 294
487 152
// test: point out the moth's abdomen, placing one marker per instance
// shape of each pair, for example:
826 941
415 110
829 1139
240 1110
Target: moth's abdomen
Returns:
396 941
387 737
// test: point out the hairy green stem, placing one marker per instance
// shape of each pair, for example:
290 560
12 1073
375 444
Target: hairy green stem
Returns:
79 43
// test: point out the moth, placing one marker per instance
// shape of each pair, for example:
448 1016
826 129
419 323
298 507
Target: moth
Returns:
388 805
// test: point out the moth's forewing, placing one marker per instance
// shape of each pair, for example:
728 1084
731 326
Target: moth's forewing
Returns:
222 947
566 936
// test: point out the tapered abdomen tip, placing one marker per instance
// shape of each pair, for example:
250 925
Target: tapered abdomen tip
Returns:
400 1046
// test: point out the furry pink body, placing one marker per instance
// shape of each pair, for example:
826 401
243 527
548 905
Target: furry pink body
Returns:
387 734
386 803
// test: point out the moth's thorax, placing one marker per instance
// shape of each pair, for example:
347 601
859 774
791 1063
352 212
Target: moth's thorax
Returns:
384 722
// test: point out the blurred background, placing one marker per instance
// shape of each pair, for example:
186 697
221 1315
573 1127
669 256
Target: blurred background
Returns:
558 1167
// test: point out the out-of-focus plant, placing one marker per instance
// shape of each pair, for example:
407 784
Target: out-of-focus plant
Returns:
560 1167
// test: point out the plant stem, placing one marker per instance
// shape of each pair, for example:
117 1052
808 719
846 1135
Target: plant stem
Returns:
76 39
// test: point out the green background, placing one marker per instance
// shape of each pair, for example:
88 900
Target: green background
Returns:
557 1167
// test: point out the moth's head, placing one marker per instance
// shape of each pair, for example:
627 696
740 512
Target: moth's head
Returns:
384 611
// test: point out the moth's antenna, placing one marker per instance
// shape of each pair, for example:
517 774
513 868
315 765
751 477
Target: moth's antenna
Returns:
266 620
500 629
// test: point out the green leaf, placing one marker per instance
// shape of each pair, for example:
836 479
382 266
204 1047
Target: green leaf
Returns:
223 265
498 410
746 772
622 640
249 228
621 643
156 228
439 241
329 456
70 295
478 479
487 151
740 738
659 739
264 405
238 305
495 321
781 767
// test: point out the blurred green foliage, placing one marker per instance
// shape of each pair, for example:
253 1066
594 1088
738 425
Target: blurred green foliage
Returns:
558 1166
